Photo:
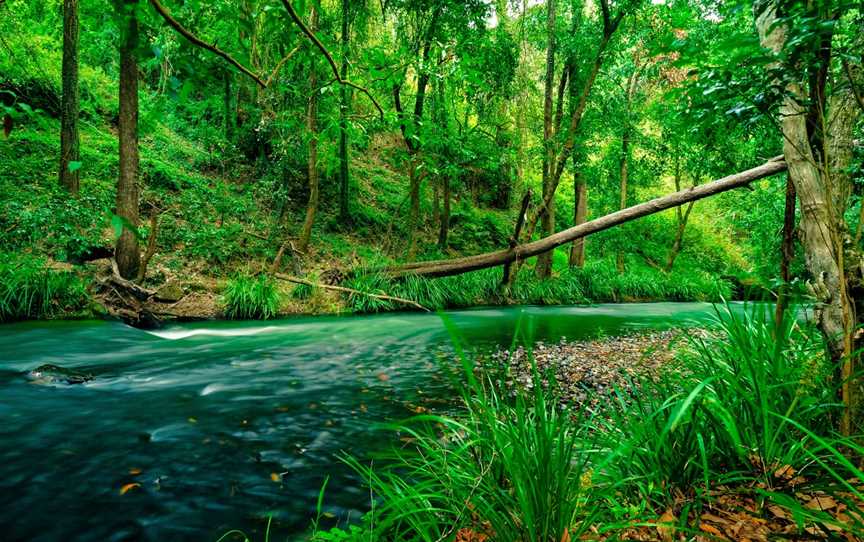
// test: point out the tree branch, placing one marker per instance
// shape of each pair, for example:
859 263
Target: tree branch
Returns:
314 39
351 291
195 40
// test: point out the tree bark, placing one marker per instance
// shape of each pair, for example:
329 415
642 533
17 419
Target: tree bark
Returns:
69 139
580 213
344 107
441 268
312 127
682 217
547 212
787 250
126 249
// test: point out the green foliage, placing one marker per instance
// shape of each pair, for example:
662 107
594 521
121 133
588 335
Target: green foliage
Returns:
247 297
29 289
733 410
745 409
516 463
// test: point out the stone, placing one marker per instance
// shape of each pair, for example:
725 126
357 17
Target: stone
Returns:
170 292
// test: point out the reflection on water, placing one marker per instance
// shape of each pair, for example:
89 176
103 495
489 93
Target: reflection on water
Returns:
187 432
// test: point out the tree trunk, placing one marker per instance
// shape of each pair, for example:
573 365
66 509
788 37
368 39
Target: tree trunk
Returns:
69 142
445 213
624 166
312 127
580 206
126 250
344 107
547 212
682 218
823 185
787 250
441 268
229 115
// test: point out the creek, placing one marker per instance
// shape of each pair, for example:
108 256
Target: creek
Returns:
190 431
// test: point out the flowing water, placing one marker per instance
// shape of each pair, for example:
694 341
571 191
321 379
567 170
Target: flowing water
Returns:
188 432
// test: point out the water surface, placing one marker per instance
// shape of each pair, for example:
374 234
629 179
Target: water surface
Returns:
219 425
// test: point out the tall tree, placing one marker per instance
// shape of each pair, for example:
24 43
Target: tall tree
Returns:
344 110
817 120
312 127
544 261
70 154
564 144
624 160
126 249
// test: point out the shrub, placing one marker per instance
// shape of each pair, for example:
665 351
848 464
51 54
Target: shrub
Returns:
250 298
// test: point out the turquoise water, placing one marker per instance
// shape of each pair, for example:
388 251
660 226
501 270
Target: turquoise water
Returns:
222 424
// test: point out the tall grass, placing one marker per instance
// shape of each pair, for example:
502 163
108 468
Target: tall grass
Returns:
747 410
597 282
509 468
29 289
731 412
247 298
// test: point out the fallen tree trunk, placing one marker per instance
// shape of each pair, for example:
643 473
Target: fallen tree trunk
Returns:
443 268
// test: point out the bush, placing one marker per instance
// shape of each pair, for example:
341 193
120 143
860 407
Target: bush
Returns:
250 298
28 290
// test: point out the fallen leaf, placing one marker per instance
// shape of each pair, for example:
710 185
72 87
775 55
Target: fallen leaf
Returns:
667 528
710 529
778 512
134 471
383 377
785 472
821 502
128 487
275 477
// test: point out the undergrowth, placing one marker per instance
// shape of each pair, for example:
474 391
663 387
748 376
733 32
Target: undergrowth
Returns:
250 298
597 282
30 290
748 412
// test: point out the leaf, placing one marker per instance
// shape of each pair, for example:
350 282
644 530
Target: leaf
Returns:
275 477
134 471
666 527
7 125
74 166
128 487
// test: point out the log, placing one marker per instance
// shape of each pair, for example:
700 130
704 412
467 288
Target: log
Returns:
352 291
443 268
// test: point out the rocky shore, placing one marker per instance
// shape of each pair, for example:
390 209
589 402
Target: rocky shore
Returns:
584 372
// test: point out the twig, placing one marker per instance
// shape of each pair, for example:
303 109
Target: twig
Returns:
297 280
195 40
314 39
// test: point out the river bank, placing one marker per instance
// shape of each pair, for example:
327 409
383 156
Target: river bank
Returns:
35 288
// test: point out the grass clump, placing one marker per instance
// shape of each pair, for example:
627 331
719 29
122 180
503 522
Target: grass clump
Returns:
30 290
510 468
250 298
